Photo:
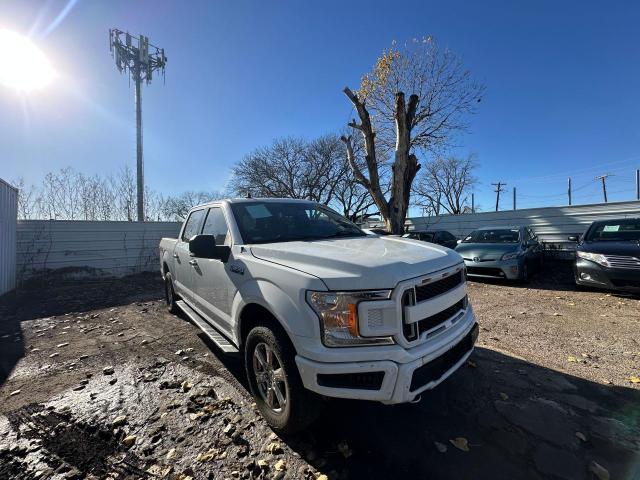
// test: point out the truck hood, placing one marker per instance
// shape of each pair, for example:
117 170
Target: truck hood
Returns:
360 263
486 251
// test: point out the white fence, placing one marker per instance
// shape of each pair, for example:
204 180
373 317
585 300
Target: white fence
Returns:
88 248
8 215
551 224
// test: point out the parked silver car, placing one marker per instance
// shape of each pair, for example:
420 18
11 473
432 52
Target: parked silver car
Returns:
501 252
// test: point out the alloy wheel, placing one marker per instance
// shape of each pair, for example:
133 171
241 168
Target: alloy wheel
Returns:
270 377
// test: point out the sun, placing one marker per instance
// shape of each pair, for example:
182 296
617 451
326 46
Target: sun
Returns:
23 66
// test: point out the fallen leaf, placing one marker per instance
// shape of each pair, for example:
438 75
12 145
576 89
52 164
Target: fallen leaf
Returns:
634 379
471 364
15 392
280 465
581 436
504 396
599 471
274 447
170 454
129 441
571 358
206 457
460 443
557 314
60 345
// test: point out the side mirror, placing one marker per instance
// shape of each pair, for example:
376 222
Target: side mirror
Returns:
573 238
204 246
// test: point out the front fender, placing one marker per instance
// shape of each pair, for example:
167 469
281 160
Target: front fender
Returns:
294 315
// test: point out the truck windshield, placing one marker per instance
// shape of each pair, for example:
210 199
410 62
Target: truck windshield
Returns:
506 235
268 222
615 231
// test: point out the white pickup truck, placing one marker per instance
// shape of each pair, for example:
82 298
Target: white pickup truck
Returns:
317 307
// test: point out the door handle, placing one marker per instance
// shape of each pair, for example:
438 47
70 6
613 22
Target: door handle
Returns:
193 263
175 255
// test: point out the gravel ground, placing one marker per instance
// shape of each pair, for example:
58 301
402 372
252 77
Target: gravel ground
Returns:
98 381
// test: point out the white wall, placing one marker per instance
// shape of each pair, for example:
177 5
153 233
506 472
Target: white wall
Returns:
88 247
8 215
551 224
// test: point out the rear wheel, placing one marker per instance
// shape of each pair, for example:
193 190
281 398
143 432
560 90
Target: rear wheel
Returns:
170 294
275 383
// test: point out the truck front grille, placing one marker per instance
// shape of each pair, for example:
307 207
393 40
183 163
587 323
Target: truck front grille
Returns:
433 289
412 331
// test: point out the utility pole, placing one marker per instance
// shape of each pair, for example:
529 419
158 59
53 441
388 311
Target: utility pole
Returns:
514 198
140 62
604 184
638 184
499 189
569 191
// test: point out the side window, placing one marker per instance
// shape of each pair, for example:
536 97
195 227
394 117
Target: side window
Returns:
193 225
449 236
216 225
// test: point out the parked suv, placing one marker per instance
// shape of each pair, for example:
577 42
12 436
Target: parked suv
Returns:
316 306
441 237
501 252
608 255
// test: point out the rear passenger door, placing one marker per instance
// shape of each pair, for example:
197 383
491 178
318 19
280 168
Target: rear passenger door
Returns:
183 274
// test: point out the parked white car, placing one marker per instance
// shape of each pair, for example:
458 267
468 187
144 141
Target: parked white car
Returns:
316 306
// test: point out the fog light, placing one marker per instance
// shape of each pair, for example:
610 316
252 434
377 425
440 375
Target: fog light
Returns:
585 276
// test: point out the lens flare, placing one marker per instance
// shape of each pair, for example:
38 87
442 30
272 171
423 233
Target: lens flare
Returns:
22 65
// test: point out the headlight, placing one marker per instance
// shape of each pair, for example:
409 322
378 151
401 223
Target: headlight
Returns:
338 313
594 257
512 255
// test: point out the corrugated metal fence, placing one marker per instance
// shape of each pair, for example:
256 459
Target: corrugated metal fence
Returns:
8 215
88 248
551 224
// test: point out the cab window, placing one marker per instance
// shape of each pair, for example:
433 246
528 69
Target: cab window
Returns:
216 225
193 225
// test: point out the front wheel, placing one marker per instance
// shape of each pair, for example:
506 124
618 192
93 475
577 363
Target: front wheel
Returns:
275 383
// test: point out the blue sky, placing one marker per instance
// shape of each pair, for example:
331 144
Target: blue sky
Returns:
562 79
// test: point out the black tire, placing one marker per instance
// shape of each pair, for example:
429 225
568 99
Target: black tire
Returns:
170 296
524 276
301 406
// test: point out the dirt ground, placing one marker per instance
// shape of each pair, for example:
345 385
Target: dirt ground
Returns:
98 381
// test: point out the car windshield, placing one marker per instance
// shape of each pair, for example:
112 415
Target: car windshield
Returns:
267 222
501 235
615 231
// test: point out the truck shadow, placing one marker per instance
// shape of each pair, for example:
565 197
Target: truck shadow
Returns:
517 419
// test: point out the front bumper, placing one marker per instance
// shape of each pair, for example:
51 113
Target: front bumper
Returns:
421 368
591 274
508 269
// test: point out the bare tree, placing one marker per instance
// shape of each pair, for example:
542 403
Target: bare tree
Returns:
177 207
446 184
27 199
442 92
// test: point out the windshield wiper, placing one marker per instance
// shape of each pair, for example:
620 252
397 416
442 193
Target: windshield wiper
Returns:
344 234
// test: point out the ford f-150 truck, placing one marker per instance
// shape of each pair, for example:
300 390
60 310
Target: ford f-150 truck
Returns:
317 307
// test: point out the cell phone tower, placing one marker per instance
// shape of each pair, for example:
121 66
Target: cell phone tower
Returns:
137 57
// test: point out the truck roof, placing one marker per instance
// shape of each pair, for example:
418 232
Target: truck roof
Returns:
246 200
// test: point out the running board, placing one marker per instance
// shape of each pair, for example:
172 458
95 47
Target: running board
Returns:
215 336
